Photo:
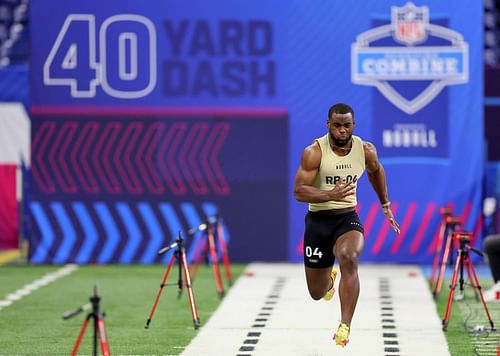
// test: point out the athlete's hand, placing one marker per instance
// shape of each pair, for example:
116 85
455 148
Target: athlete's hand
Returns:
388 214
342 191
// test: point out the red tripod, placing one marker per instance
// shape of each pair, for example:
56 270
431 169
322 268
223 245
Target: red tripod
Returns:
180 255
464 261
445 212
214 231
223 248
451 223
99 327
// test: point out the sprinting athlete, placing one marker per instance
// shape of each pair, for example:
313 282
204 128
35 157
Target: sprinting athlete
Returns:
327 179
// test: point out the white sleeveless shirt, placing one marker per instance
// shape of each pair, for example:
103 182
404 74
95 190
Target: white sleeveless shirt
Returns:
334 168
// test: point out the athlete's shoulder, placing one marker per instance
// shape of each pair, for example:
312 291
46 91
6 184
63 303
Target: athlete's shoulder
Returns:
313 150
319 143
370 151
311 157
313 147
322 139
369 147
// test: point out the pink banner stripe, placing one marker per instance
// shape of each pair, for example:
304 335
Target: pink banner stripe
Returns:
199 183
119 162
299 250
372 213
207 169
423 227
52 161
379 242
404 228
68 131
466 213
178 130
145 159
168 167
477 229
214 112
84 174
133 184
101 157
39 168
186 170
223 185
433 245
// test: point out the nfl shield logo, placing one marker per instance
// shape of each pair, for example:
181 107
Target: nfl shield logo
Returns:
409 23
383 65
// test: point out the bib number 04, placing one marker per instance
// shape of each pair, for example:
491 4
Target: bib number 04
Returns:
316 252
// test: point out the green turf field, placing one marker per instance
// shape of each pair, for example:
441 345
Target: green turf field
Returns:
467 314
34 325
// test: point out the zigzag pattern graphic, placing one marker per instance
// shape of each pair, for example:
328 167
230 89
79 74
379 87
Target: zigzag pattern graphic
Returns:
119 232
129 157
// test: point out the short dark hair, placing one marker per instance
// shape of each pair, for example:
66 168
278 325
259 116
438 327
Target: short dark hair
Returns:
340 108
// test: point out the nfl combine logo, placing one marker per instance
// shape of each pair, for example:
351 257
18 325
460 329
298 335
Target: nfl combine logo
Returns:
410 48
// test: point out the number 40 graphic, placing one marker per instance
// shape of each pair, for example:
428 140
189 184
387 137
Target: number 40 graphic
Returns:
122 61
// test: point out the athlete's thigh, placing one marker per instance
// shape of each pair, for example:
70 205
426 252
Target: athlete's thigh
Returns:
348 243
318 242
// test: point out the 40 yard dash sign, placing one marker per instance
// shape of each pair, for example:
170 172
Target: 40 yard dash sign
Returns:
157 59
73 59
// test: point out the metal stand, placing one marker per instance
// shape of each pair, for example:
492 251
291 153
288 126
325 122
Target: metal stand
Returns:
451 223
213 232
444 212
180 255
223 247
98 322
464 261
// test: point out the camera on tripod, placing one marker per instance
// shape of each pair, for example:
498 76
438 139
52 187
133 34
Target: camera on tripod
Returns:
96 316
464 263
180 255
462 236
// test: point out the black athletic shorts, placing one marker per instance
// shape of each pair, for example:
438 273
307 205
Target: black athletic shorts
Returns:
321 233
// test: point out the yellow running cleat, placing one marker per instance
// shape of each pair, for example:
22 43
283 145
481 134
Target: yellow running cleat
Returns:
329 294
341 337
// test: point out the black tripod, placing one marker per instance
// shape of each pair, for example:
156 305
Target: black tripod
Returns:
99 327
464 261
180 255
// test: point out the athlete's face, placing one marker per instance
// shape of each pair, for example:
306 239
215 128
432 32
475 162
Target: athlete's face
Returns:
340 127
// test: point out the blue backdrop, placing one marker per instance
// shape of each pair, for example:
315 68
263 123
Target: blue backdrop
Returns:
148 115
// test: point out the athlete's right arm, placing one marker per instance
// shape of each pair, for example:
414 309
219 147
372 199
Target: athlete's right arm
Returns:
304 189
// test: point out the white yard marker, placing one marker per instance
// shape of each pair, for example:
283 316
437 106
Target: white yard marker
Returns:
269 312
29 288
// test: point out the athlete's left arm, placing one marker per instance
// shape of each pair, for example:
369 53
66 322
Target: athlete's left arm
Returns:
376 176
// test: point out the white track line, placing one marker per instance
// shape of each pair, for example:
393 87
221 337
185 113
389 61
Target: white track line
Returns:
269 312
31 287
